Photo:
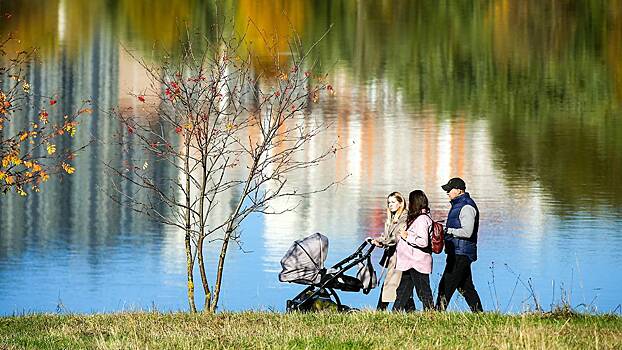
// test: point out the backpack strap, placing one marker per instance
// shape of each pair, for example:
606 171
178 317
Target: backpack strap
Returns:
427 249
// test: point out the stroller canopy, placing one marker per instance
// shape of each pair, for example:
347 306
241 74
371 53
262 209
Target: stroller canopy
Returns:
304 260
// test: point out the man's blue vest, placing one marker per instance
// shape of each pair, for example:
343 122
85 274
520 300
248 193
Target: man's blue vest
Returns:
461 246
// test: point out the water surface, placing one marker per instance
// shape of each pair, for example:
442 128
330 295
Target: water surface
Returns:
522 99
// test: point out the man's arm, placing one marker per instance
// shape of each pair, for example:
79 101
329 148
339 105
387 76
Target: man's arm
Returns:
467 219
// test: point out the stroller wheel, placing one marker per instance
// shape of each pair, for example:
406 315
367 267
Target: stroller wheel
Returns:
316 299
349 310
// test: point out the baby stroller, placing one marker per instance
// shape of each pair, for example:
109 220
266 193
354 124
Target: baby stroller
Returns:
304 264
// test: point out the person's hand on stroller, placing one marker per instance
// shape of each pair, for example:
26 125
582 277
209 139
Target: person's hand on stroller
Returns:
373 241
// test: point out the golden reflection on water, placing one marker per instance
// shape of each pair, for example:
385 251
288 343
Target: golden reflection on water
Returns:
541 73
516 32
46 25
268 25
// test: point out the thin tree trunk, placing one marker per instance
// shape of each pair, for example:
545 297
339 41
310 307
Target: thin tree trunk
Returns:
189 266
202 223
208 294
189 260
221 266
229 231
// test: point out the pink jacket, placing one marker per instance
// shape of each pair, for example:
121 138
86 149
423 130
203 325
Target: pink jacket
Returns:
410 257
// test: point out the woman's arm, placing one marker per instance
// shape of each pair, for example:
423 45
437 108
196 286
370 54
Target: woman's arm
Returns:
387 239
418 232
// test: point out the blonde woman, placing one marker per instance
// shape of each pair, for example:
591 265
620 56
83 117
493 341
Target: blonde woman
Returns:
394 224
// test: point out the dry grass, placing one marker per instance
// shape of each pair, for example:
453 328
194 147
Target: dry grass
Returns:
362 330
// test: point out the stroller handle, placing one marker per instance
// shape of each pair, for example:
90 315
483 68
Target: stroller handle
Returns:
358 253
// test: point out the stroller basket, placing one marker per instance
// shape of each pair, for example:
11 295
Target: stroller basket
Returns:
304 264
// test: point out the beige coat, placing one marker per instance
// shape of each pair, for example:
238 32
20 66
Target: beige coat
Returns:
388 240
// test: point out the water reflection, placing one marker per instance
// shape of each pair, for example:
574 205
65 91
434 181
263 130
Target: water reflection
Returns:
521 98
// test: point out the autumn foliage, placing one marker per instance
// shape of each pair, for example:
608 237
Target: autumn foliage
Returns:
29 135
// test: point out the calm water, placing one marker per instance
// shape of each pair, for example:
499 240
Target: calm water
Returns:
523 99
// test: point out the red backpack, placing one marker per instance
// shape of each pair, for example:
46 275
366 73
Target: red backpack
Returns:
437 239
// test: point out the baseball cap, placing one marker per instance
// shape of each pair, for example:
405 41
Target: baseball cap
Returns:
456 182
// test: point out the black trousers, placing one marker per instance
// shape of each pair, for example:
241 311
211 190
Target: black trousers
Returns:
421 283
457 275
383 305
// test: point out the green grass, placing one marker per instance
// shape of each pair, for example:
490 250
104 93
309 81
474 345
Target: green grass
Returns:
261 330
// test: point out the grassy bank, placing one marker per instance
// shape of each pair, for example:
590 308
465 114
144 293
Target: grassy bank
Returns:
363 330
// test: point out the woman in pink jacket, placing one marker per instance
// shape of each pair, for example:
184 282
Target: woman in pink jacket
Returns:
414 255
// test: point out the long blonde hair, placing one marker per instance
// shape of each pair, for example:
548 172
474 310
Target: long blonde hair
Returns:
400 210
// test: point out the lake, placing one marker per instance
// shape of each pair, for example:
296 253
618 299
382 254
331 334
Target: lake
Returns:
522 99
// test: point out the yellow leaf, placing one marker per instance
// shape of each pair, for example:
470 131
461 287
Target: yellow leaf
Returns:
11 158
68 168
21 192
51 148
9 180
71 128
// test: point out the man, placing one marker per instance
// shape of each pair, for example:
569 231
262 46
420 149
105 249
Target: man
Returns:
460 246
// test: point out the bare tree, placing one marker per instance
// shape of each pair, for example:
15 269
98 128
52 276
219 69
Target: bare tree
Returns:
233 127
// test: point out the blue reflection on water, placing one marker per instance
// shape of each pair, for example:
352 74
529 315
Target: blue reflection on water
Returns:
145 270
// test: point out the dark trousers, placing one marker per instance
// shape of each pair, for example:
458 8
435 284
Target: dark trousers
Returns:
421 283
383 305
457 275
